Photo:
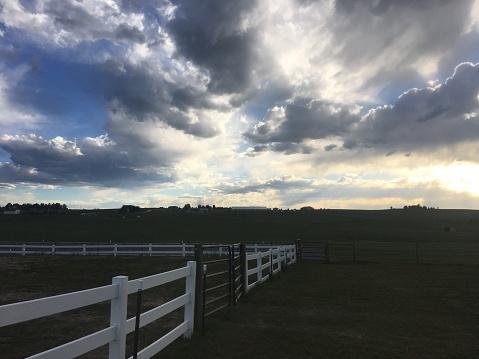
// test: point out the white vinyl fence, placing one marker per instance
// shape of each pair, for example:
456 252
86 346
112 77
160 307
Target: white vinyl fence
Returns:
117 249
101 249
120 325
266 263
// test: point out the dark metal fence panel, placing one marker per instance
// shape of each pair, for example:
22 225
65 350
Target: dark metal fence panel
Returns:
392 252
220 265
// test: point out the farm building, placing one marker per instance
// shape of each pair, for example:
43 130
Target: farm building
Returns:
250 208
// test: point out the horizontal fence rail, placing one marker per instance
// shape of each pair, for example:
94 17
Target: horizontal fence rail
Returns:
118 249
100 249
120 325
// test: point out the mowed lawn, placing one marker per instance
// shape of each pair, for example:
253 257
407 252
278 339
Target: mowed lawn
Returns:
348 311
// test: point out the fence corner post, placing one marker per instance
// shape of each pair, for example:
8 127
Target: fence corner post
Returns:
190 306
118 313
198 310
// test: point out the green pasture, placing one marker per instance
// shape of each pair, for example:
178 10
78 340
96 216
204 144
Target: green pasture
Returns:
310 310
226 226
349 311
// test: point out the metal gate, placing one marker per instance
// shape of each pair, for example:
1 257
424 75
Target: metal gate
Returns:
221 286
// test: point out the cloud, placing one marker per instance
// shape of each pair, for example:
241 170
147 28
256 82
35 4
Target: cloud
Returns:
376 39
67 23
124 57
98 161
145 96
303 119
420 119
14 115
425 118
222 37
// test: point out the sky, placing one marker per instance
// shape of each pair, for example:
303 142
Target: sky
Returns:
365 104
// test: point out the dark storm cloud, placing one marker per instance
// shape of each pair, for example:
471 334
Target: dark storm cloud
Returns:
128 32
82 23
381 6
420 119
36 160
301 120
213 34
148 96
132 5
393 36
425 118
70 17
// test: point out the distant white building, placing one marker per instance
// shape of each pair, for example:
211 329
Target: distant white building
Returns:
11 211
250 208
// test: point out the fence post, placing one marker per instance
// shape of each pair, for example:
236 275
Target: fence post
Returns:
271 269
259 263
115 249
244 268
117 348
198 319
84 249
183 249
190 306
23 249
53 249
231 280
299 252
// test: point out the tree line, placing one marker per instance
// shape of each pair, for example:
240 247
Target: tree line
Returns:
35 207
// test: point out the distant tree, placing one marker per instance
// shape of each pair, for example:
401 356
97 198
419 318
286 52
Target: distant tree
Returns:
129 208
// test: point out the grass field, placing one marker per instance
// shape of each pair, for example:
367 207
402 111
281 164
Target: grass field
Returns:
225 226
311 310
349 311
383 309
